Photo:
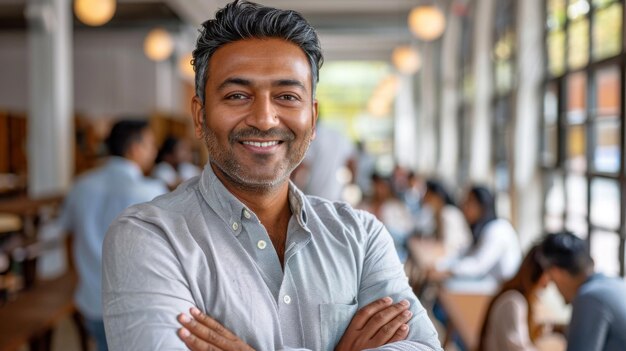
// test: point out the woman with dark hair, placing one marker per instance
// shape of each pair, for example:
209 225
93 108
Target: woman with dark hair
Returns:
494 255
450 226
509 323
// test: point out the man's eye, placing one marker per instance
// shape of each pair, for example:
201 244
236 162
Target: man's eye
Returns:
288 97
236 96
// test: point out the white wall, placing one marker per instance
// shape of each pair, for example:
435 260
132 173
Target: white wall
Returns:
112 77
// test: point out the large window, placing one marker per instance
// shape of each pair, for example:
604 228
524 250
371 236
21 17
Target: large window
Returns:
583 126
503 55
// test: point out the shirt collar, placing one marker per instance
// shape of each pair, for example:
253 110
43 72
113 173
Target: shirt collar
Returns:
231 210
126 166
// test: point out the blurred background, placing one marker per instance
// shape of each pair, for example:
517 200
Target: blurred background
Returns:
526 97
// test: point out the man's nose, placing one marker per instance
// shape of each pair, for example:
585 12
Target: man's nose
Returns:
264 115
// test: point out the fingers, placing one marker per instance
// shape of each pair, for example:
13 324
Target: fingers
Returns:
364 314
194 343
204 332
395 330
211 323
385 318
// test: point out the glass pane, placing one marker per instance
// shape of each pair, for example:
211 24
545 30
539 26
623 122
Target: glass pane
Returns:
577 225
554 203
608 99
576 97
576 159
576 195
578 43
550 128
602 3
605 203
556 52
556 14
607 30
504 76
605 252
606 145
577 9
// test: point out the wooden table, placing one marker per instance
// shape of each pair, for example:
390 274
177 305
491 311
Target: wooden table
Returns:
10 223
32 316
24 205
466 313
28 210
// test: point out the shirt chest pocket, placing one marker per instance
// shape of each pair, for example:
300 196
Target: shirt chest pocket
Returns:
335 318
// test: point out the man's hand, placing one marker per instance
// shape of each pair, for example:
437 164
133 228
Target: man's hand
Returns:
203 333
376 324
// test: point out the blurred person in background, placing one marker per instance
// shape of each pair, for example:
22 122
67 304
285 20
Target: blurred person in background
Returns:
494 254
323 171
598 321
450 226
510 320
389 209
95 200
413 197
365 167
174 162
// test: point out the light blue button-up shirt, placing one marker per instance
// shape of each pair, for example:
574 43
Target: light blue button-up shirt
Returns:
200 246
90 207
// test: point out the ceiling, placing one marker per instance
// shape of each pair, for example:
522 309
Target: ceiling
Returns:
348 29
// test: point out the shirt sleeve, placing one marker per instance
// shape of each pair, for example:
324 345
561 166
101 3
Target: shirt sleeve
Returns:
589 325
480 260
383 275
510 316
137 314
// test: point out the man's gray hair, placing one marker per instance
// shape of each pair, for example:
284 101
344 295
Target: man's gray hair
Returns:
241 20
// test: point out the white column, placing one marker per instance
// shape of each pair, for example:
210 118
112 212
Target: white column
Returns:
527 175
50 122
480 159
448 132
427 151
166 87
405 124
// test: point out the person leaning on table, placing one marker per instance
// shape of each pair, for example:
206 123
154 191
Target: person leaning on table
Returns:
598 302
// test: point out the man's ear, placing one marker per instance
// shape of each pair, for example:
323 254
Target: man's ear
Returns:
314 119
197 113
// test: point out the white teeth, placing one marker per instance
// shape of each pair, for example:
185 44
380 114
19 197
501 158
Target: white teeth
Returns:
261 144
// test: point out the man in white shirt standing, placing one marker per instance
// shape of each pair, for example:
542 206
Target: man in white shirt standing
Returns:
95 200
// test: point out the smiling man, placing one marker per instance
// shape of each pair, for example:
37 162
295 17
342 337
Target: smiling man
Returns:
256 263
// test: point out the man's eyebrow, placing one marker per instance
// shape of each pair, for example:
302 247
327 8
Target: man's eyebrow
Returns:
234 81
289 83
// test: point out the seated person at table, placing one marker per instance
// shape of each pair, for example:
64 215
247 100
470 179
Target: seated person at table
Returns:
257 263
450 225
391 211
598 320
94 202
510 324
494 255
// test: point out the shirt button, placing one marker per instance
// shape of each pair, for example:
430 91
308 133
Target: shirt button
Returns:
246 214
261 244
287 299
235 225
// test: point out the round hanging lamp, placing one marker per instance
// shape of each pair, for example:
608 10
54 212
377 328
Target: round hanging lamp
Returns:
158 45
406 60
427 22
94 12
